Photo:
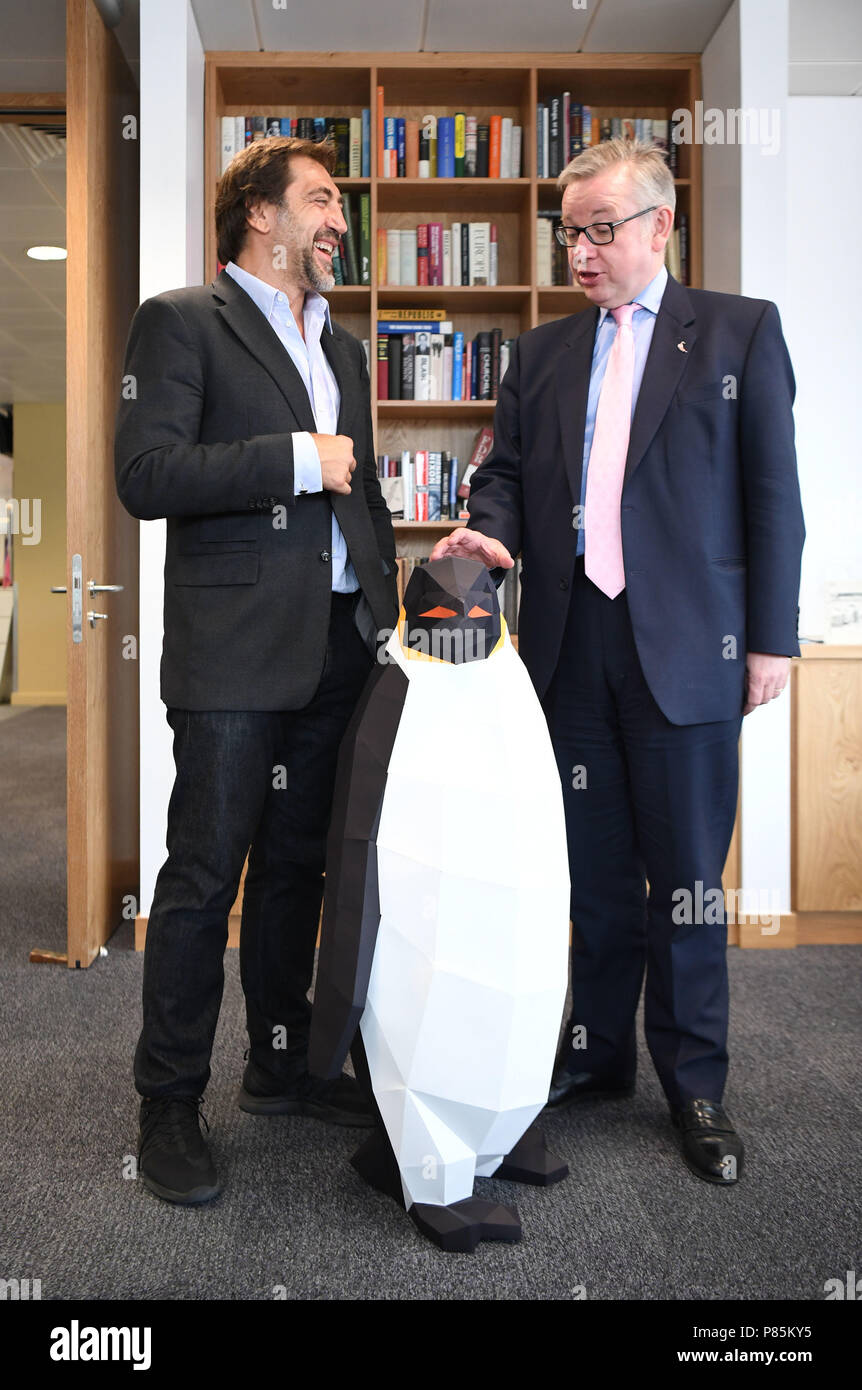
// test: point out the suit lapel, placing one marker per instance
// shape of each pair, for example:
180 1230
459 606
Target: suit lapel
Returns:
335 355
262 341
573 389
665 364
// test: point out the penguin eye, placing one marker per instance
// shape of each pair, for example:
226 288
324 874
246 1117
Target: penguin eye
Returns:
477 612
439 612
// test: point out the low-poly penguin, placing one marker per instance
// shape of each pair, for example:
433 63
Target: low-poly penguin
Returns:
445 941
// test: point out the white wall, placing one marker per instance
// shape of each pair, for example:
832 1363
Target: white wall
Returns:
823 324
172 254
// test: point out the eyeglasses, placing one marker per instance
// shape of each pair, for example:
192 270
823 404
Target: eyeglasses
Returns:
599 233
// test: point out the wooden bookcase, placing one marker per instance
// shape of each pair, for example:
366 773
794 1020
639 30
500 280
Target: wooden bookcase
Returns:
483 84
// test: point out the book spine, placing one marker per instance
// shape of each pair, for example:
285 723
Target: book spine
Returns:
356 147
365 238
447 255
432 315
446 472
424 171
554 138
393 255
382 367
470 124
586 127
496 344
456 253
365 144
460 143
494 137
342 145
422 367
408 366
437 344
479 252
492 254
429 130
380 162
457 365
465 253
540 168
435 253
565 128
352 277
482 137
394 372
390 148
517 138
446 147
422 253
411 148
382 257
434 327
400 148
506 147
420 463
435 481
408 255
407 478
453 486
483 383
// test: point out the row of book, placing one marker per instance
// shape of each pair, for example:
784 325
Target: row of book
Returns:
508 592
450 147
422 362
351 136
552 262
428 484
565 128
431 254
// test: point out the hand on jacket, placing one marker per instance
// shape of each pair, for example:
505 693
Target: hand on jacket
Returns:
336 461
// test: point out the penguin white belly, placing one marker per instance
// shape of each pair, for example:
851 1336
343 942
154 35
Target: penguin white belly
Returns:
469 975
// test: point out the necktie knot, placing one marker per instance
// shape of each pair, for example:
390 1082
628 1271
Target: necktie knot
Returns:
623 315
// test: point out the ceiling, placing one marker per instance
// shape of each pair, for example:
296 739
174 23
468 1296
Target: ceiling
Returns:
825 59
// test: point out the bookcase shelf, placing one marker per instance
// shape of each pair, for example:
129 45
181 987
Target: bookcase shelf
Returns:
480 84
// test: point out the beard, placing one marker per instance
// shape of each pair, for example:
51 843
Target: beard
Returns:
304 269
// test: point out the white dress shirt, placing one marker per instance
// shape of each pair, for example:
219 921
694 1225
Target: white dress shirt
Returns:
324 396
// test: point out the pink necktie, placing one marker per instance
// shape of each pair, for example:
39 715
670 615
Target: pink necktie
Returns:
603 542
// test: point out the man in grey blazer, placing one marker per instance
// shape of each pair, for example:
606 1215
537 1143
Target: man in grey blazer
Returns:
249 429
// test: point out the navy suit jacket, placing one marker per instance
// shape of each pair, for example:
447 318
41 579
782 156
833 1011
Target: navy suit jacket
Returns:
711 516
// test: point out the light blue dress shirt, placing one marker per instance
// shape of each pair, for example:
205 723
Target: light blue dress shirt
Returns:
324 396
643 325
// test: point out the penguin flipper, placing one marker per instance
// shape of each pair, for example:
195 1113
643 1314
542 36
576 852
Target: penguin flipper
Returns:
351 910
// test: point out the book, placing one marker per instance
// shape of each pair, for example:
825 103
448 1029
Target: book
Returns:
429 130
492 254
447 255
408 256
390 148
342 147
470 125
414 314
460 143
435 253
352 276
506 147
435 485
382 367
355 162
381 170
479 252
394 368
422 254
422 367
482 136
365 144
517 135
365 238
420 463
408 362
457 365
393 256
446 147
411 148
456 253
437 343
483 377
482 446
494 134
424 170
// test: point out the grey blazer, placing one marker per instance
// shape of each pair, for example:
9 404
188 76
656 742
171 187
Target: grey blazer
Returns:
203 438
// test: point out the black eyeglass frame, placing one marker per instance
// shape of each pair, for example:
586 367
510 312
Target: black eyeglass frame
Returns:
561 229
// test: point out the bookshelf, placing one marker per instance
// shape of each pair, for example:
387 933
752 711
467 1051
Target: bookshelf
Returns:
482 84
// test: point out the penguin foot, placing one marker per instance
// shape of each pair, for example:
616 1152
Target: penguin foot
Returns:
532 1162
460 1227
375 1162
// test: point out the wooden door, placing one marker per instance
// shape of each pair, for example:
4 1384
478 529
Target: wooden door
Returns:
102 294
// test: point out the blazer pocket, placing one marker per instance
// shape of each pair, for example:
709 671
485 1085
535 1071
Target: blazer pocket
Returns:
231 567
710 391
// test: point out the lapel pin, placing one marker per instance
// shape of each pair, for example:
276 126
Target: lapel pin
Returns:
681 345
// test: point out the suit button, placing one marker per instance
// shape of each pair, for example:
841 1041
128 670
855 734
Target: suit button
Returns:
564 583
325 556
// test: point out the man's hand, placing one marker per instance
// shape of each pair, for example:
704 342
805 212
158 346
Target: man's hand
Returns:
336 461
765 678
472 545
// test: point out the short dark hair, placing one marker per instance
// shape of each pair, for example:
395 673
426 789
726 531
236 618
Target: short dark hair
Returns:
259 174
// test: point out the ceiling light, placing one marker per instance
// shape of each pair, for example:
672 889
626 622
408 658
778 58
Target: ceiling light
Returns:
47 253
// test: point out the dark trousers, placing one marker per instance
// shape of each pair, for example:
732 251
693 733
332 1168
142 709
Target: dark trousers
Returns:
645 800
244 779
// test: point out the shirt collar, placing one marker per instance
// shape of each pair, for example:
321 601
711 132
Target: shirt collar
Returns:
650 298
266 297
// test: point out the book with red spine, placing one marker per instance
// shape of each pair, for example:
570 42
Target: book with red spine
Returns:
494 139
435 253
382 367
420 459
422 254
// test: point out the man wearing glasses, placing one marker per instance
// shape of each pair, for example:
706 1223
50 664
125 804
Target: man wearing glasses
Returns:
644 468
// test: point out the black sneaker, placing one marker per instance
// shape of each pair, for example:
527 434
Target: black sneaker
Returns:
340 1102
173 1157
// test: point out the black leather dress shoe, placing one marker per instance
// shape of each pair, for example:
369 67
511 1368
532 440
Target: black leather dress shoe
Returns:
340 1102
567 1086
711 1147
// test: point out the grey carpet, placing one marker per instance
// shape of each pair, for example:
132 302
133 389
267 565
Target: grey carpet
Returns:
630 1222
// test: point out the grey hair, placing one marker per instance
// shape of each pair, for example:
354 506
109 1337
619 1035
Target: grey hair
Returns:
647 167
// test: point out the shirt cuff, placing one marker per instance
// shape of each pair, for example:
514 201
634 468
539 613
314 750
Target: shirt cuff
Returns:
307 475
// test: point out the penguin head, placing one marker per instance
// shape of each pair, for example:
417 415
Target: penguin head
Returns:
451 611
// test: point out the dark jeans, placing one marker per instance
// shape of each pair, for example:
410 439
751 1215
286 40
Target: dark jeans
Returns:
245 779
644 800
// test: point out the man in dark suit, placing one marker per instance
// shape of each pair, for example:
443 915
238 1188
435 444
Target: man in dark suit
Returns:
249 413
644 468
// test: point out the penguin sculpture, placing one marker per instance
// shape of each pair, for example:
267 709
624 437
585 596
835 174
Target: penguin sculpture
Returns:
444 950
